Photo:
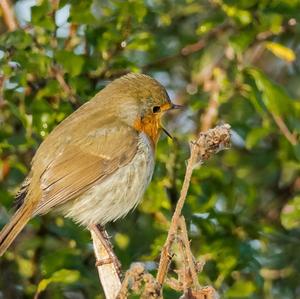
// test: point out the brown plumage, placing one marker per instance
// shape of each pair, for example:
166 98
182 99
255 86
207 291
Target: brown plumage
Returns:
95 165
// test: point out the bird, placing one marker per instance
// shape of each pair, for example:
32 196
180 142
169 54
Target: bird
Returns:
95 166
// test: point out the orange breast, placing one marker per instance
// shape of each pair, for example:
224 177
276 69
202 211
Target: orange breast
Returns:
150 126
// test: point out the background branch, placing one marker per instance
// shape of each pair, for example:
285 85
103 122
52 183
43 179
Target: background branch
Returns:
8 15
284 129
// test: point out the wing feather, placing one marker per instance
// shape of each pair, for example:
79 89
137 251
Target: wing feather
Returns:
84 162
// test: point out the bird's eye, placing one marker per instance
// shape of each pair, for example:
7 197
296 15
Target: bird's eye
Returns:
156 109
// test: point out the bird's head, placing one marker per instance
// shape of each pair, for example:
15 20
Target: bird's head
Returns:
143 103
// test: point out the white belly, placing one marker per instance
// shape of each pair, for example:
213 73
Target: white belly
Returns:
115 196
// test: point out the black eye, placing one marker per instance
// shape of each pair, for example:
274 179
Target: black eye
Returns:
156 109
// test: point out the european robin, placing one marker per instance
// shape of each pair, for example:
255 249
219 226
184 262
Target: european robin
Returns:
94 166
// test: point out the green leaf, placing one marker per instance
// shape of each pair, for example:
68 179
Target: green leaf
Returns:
52 88
289 172
40 15
142 41
290 215
270 22
242 40
254 136
18 39
38 12
18 114
81 12
273 95
241 289
37 63
297 151
71 62
64 276
244 17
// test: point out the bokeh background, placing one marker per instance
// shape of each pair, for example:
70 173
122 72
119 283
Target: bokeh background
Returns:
234 61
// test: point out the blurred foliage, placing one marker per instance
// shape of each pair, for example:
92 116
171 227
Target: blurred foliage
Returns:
236 58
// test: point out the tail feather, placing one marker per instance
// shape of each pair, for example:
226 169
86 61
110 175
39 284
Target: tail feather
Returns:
30 193
14 227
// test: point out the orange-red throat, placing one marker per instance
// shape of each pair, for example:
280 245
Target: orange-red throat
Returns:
150 125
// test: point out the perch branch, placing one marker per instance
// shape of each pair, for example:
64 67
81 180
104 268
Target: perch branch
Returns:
107 263
206 145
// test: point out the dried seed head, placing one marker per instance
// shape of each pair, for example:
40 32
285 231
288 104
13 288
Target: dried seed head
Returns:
211 142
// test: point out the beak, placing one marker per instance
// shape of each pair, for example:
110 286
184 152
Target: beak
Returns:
167 133
175 106
171 106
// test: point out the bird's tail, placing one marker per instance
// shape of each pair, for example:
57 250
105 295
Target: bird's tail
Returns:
24 213
14 227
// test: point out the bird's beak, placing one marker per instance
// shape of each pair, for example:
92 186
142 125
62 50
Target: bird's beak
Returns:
175 106
167 107
170 106
166 132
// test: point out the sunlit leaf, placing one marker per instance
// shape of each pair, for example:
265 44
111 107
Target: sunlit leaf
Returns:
274 96
62 276
281 51
290 215
241 289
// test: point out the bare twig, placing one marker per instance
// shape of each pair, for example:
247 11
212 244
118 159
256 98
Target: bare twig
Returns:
190 259
66 88
174 284
207 144
106 262
209 117
284 129
191 48
72 39
134 278
203 293
183 273
8 15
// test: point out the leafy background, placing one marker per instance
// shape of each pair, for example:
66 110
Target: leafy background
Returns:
226 60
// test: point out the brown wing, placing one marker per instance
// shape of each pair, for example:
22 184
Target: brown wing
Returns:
82 162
